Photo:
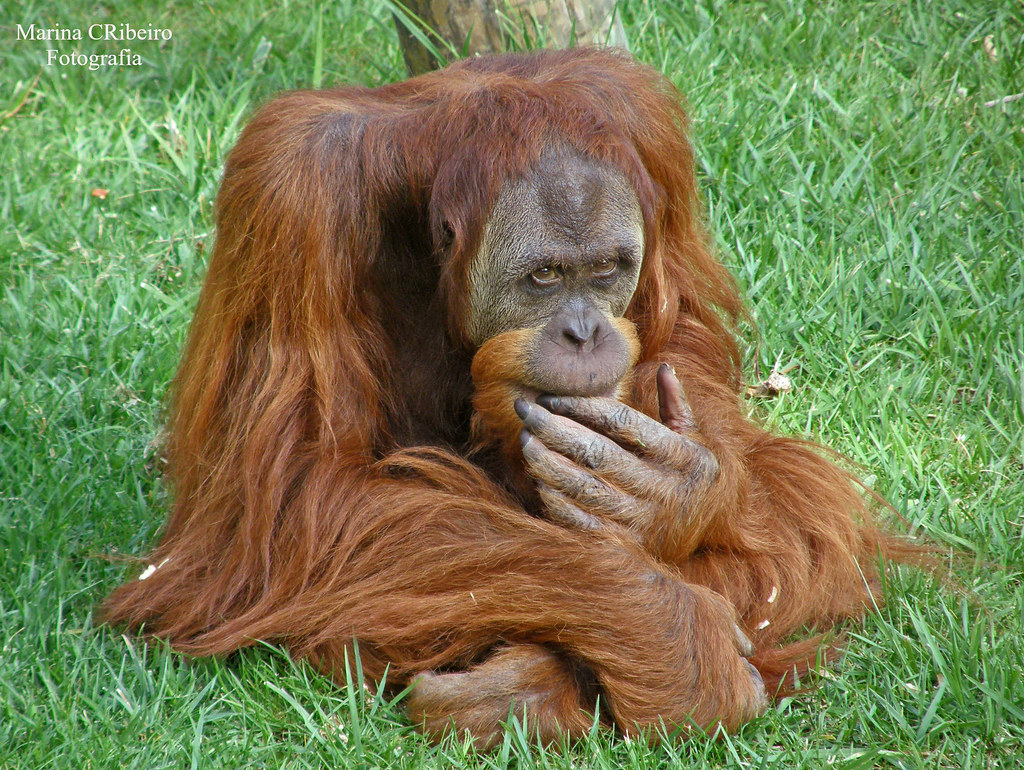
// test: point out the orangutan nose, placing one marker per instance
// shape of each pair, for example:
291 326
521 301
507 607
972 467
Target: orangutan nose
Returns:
580 328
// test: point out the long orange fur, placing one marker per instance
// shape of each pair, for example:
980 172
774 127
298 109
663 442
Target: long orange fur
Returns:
326 483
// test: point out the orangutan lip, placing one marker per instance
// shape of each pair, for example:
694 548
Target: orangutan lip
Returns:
534 396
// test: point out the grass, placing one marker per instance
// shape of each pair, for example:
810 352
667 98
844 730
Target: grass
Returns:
867 198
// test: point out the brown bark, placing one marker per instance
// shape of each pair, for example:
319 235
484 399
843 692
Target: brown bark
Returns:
456 28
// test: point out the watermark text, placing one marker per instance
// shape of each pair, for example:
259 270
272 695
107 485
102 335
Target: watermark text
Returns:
71 56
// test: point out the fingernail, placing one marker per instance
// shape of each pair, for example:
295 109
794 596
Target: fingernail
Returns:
524 438
548 401
746 646
522 407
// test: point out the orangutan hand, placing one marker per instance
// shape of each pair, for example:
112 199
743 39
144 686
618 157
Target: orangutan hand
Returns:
597 460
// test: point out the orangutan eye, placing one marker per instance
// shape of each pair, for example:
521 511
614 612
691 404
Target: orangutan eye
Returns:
603 268
545 276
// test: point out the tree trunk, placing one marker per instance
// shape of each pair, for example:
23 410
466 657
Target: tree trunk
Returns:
435 32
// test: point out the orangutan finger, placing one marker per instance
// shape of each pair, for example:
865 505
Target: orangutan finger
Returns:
744 646
673 408
761 696
561 510
629 426
595 452
579 485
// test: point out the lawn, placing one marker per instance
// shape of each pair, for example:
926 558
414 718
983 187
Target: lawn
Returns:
863 175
